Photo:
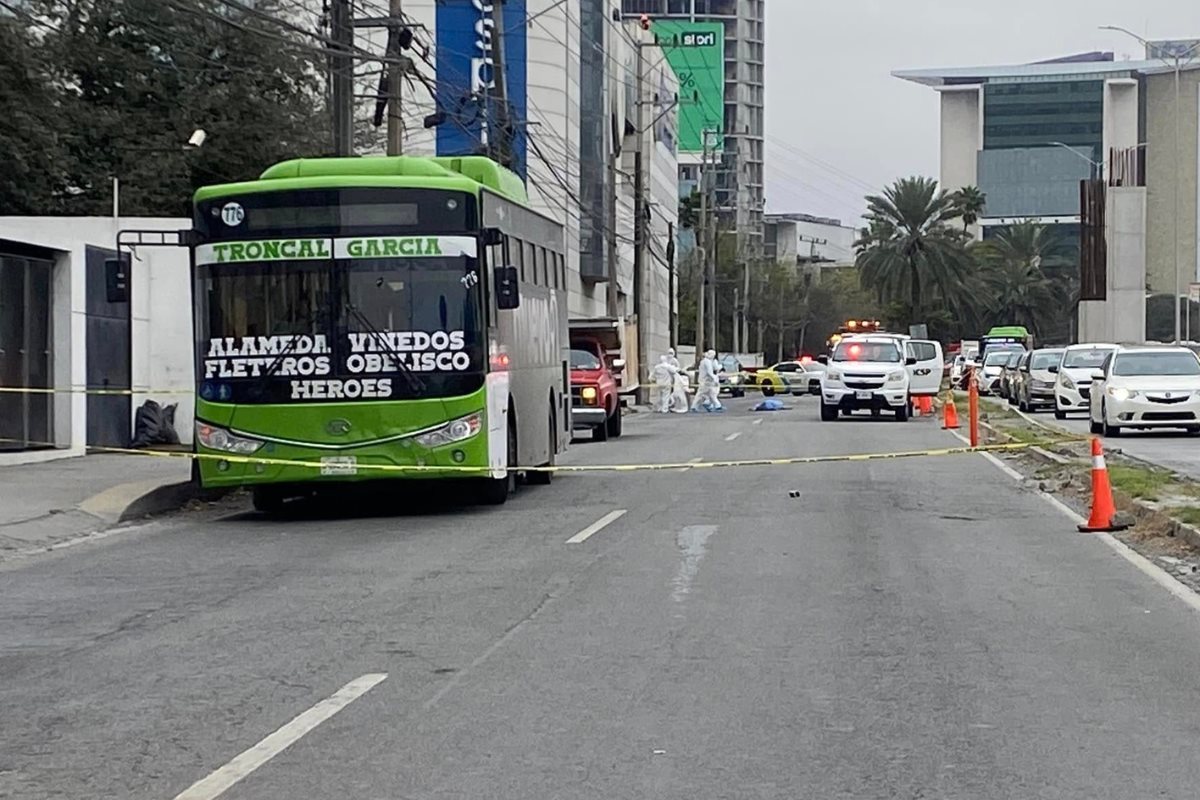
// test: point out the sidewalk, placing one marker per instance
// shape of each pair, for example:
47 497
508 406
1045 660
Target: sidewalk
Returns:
45 504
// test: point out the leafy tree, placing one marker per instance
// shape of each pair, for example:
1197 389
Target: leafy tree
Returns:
689 211
1030 280
970 202
910 251
134 78
30 121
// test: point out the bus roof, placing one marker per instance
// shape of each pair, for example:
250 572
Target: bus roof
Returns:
1009 330
465 173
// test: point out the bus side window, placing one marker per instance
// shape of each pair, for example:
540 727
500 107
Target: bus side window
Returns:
531 263
514 255
562 270
497 256
543 273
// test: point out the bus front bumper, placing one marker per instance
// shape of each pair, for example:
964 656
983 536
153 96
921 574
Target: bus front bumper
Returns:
290 464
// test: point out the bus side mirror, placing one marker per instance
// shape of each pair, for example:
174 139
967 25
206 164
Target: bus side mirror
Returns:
116 280
492 236
508 294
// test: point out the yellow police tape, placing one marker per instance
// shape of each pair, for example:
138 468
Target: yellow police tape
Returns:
113 392
473 470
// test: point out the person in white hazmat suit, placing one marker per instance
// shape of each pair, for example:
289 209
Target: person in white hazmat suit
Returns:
671 357
664 382
708 388
679 397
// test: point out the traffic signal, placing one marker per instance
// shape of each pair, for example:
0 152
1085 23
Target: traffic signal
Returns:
644 21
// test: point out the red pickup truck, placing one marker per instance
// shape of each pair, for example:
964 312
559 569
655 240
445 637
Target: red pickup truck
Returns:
595 401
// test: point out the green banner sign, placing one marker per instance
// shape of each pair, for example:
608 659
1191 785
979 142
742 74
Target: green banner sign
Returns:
316 249
404 247
696 51
265 250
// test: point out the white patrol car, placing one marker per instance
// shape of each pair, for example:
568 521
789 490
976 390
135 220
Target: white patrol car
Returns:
867 373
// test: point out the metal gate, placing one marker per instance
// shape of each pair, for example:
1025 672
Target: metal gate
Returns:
109 353
26 358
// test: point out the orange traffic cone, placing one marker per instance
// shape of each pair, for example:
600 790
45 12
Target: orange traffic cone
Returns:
926 406
1104 511
949 415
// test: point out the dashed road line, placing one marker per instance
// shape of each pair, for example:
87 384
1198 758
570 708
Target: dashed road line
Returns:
597 526
216 783
690 461
733 436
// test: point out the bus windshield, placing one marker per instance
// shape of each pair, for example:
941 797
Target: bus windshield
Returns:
339 330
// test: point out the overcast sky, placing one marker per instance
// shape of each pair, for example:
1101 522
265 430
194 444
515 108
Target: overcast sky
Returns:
830 96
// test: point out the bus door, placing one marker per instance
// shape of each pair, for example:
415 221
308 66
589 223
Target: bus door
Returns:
925 376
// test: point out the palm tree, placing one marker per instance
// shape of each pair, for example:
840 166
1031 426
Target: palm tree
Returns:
910 249
970 201
1027 274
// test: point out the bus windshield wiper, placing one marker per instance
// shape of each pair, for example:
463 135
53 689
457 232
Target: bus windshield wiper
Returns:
414 382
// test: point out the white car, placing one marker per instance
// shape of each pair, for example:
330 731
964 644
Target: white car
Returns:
1073 377
1146 387
866 373
988 375
923 359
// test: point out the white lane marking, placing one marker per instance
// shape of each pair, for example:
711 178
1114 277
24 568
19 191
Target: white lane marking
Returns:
217 782
1005 468
690 461
693 544
732 436
757 421
1160 576
597 526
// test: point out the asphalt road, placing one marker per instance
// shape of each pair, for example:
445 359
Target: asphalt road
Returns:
904 629
1172 449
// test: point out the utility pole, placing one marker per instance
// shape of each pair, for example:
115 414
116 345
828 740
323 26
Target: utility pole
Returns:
711 232
737 329
702 244
745 327
672 288
611 222
341 77
395 129
639 224
500 127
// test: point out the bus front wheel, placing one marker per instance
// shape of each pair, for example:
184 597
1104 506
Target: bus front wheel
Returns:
267 499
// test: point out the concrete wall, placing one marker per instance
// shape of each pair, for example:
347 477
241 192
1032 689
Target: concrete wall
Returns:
961 136
1164 173
161 320
1120 115
1122 318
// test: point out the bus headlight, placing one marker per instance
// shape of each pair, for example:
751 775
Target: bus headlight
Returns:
214 438
453 431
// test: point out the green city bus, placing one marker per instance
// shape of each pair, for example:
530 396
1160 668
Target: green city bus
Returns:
374 318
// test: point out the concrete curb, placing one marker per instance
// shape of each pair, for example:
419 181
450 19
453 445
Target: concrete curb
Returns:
161 500
1138 509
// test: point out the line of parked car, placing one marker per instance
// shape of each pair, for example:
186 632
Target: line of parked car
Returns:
1139 387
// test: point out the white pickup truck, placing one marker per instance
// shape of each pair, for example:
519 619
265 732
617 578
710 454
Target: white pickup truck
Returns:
871 373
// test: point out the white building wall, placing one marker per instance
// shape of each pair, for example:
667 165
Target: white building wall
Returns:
1120 114
160 320
961 136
